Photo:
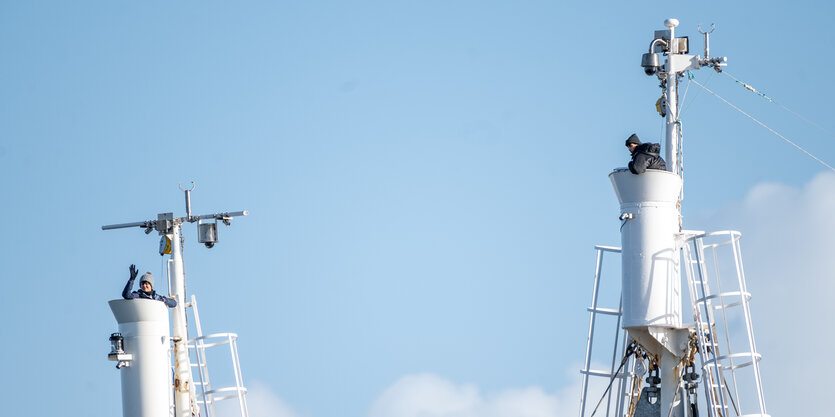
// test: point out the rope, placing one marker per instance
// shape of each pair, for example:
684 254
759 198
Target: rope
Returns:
690 77
761 94
629 352
634 398
675 397
749 88
683 97
763 125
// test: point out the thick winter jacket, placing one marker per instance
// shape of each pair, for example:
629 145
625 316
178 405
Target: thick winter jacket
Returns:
646 157
127 294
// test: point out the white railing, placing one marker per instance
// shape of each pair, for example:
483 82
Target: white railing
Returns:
207 395
720 308
624 377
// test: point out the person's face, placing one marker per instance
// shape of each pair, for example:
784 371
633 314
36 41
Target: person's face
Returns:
146 286
631 147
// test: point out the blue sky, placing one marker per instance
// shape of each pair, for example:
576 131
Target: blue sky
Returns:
426 181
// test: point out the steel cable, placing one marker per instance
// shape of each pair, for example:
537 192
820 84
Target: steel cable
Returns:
629 352
764 125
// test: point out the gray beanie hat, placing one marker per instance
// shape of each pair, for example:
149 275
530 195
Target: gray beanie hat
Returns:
147 277
633 139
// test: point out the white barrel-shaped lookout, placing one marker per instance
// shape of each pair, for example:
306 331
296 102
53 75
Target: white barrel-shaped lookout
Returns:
651 279
146 381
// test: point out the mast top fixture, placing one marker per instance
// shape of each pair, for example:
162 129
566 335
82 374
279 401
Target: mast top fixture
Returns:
668 58
166 222
193 186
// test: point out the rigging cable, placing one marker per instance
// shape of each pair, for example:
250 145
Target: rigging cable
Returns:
629 351
690 77
763 95
763 125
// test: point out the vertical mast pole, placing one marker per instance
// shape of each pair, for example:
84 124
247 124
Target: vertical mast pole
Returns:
182 367
671 143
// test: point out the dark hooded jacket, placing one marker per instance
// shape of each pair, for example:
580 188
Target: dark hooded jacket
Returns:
127 294
646 157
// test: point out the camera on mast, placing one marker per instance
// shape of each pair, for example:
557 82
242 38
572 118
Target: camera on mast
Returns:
664 42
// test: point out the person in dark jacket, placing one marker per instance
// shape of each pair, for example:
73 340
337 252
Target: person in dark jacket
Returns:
644 155
146 289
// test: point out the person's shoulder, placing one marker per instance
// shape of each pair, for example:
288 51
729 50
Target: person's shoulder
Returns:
650 147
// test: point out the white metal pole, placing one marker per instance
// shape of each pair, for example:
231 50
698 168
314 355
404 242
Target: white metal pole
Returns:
669 366
671 140
593 313
182 367
752 345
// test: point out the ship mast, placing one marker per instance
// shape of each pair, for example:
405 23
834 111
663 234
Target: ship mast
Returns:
678 61
654 249
170 230
672 137
652 238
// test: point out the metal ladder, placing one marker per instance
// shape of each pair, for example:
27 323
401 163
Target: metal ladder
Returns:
624 377
711 311
198 345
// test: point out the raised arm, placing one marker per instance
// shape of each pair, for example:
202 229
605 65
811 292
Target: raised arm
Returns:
127 292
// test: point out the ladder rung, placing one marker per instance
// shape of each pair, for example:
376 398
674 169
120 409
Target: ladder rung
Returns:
609 311
594 372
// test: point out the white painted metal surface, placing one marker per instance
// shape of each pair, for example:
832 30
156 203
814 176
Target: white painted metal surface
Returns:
183 382
146 381
650 258
651 277
672 126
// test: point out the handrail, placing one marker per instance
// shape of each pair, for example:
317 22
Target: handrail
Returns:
229 338
624 376
705 265
741 294
199 345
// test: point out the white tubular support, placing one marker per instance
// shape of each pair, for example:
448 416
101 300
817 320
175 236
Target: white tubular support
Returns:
671 140
145 380
183 386
651 277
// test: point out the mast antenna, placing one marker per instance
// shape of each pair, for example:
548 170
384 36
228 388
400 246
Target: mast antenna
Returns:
707 38
669 72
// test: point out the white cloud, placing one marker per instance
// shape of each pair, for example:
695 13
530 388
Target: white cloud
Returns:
789 253
429 395
261 401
